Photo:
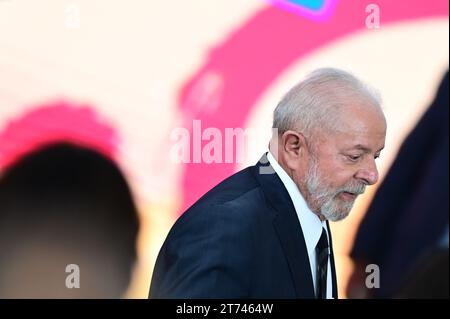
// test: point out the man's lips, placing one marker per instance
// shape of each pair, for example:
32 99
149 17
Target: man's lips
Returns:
347 196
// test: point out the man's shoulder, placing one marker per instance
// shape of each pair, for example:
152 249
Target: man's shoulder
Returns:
238 194
232 188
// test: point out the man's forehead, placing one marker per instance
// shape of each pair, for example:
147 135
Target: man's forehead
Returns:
348 139
369 123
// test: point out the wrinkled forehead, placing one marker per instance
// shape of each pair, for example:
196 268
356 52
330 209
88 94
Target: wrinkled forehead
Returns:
357 124
360 116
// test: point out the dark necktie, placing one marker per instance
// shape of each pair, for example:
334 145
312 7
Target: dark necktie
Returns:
322 265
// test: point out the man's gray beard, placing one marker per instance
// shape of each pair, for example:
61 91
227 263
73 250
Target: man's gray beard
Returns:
330 206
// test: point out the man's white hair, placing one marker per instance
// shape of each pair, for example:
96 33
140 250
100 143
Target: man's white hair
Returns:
315 103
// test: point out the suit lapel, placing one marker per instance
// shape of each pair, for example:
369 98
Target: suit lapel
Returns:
333 268
288 228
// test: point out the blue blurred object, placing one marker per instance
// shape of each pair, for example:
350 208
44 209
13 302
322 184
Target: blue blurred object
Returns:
309 4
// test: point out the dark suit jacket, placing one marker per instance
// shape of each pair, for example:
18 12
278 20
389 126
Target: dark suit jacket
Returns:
242 239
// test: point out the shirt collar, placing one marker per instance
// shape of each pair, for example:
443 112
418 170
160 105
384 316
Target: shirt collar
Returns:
310 223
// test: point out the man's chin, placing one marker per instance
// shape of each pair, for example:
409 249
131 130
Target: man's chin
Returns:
340 214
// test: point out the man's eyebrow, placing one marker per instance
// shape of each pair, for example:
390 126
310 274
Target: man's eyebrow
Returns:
365 149
381 148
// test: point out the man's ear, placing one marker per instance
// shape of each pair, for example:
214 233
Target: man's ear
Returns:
293 146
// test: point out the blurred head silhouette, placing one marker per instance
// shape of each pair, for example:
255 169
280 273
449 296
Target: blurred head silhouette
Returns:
68 226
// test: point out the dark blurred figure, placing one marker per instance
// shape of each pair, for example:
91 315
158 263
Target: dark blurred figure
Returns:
66 205
429 277
409 214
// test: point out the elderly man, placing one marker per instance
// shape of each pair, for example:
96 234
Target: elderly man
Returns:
263 232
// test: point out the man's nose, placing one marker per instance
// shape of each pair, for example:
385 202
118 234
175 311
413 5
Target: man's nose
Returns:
368 173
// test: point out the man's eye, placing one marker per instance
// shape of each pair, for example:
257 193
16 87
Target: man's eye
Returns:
354 157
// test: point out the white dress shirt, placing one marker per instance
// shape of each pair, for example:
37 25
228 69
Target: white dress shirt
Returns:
310 222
